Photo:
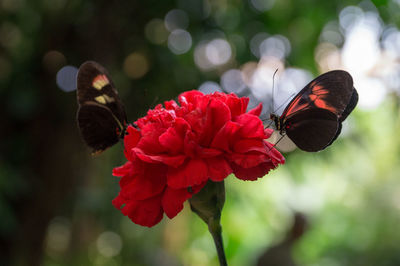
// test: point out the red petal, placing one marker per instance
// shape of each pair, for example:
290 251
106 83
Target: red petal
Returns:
145 212
217 115
173 199
174 161
244 103
256 111
252 126
248 145
248 160
237 105
126 180
189 97
276 156
123 170
268 132
149 141
132 137
194 172
207 152
195 119
147 185
171 140
252 173
190 146
171 105
222 138
218 168
118 202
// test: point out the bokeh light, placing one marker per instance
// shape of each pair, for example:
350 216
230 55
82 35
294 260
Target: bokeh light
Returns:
361 53
179 41
10 35
176 19
156 32
255 43
109 244
53 61
136 65
66 78
349 16
232 81
331 33
209 87
262 5
391 40
58 236
218 51
278 46
361 48
327 55
200 58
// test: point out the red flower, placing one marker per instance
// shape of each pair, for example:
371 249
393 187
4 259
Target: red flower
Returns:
178 148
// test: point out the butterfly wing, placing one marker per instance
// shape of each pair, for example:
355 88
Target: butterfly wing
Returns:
99 129
349 108
315 114
331 91
312 129
101 114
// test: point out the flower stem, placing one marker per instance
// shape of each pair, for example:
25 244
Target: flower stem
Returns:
208 204
216 231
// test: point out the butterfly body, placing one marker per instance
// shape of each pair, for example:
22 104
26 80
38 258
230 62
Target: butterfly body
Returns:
101 115
313 118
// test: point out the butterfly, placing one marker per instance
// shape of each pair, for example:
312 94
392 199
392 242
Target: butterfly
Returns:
101 115
313 118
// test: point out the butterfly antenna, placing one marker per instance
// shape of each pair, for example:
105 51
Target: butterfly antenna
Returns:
273 85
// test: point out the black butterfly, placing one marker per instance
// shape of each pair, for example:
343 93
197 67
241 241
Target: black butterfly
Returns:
101 115
313 118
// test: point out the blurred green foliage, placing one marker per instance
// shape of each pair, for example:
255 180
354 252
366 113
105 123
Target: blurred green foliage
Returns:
55 199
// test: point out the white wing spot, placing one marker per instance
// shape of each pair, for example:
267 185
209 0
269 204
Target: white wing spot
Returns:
100 99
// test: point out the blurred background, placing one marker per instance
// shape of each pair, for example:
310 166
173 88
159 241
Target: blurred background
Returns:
55 199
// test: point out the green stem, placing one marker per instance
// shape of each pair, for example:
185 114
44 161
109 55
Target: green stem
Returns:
215 229
208 204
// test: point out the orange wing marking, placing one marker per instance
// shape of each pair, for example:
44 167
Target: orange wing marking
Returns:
317 97
295 107
100 81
